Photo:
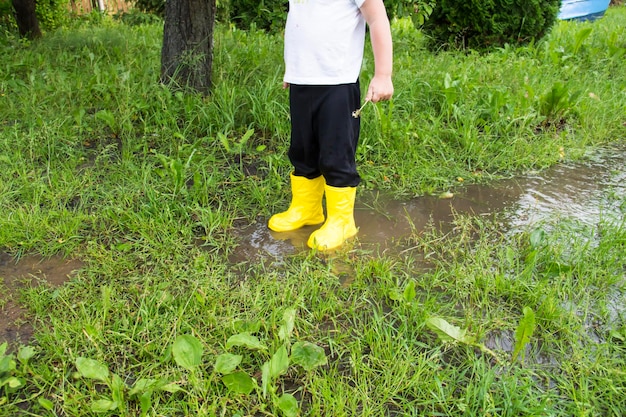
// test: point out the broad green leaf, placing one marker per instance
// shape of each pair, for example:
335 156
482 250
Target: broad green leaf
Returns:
107 117
145 402
289 318
187 352
46 403
227 362
7 364
510 255
556 268
172 387
117 388
580 38
448 332
537 238
279 363
409 292
239 382
92 369
447 81
103 406
288 404
224 141
308 355
3 348
14 382
265 377
395 295
245 137
25 354
142 385
524 331
245 340
247 326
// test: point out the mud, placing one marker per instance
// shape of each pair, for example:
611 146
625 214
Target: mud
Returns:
16 275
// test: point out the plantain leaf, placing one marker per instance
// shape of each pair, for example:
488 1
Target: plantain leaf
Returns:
448 332
580 38
308 355
187 351
265 377
172 387
288 405
142 385
409 292
537 238
92 369
289 318
239 382
279 363
103 406
25 354
246 340
227 362
524 331
46 403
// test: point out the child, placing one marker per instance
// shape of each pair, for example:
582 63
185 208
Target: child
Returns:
324 43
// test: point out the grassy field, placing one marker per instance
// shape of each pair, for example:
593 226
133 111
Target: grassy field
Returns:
102 164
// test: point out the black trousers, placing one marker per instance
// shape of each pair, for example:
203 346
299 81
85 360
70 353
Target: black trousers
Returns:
324 135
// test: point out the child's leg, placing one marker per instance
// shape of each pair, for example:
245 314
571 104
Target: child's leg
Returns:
324 135
304 147
307 182
338 136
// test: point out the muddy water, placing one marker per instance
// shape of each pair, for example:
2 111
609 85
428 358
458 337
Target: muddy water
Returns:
14 276
586 191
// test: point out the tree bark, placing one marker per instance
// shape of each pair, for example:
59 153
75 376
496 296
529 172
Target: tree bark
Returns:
26 18
187 53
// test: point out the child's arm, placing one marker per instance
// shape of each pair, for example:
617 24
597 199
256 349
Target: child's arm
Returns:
381 86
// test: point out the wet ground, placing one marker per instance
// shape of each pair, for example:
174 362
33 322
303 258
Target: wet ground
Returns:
585 192
14 276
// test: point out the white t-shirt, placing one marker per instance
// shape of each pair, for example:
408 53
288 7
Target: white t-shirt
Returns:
324 41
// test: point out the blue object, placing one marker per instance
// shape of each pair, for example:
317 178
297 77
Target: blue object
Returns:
583 9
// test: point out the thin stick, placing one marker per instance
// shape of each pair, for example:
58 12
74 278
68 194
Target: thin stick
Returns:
357 112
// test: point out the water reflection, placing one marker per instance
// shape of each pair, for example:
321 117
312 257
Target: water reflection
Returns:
586 192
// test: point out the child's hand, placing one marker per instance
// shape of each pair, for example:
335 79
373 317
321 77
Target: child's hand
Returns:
380 88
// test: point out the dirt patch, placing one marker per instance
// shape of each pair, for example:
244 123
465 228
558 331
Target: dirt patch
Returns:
31 270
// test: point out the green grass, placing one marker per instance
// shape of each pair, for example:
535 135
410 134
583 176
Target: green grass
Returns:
101 163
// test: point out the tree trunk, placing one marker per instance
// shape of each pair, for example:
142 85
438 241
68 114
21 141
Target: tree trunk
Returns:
26 18
187 53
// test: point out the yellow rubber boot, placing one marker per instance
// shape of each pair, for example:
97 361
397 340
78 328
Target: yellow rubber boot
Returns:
339 225
305 208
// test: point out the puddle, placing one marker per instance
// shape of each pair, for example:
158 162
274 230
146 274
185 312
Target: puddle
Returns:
586 191
29 271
